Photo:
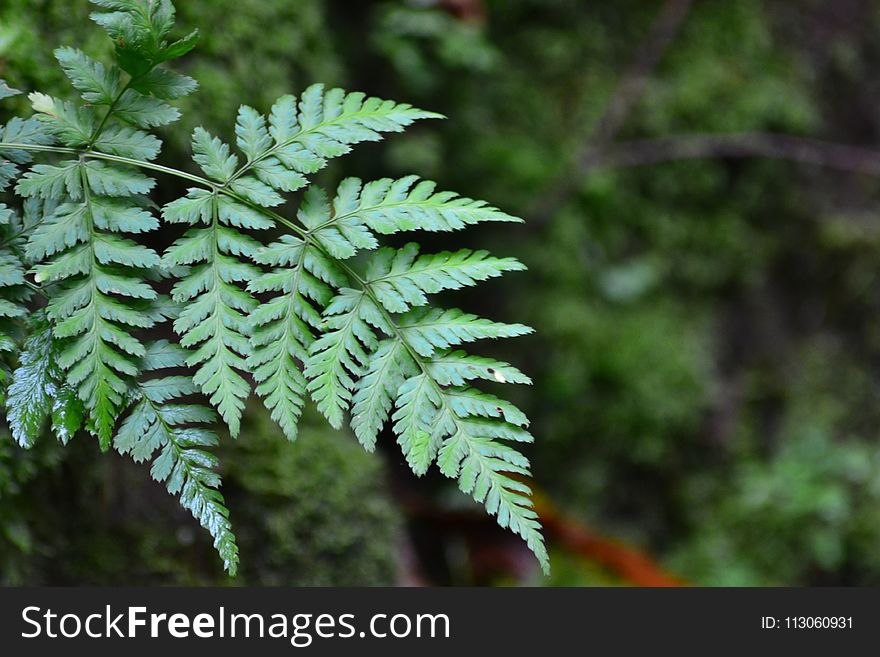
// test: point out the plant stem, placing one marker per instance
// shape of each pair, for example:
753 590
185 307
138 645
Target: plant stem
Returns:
158 168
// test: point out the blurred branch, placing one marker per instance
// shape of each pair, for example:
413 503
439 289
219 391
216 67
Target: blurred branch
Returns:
492 552
630 564
465 10
624 97
600 151
632 85
740 145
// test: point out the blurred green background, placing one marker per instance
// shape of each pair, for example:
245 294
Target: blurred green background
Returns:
707 311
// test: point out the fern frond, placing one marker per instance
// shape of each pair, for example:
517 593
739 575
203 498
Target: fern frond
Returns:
17 131
159 422
71 124
214 322
482 465
417 423
396 280
350 367
97 85
300 136
13 291
165 84
38 390
97 279
303 280
28 399
139 31
338 235
284 326
401 280
103 86
389 366
97 305
463 429
437 416
296 315
428 329
389 206
455 368
338 357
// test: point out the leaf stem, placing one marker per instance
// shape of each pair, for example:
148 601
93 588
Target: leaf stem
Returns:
217 188
158 168
110 109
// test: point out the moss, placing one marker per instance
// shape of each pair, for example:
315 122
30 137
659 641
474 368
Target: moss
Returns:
311 513
315 512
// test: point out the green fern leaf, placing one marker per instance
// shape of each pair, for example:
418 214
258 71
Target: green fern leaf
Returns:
428 329
95 308
116 180
339 240
388 206
125 141
159 422
46 181
303 135
455 368
165 84
213 156
98 85
338 357
390 365
284 326
30 132
37 390
140 33
14 293
256 192
214 322
102 294
416 420
252 133
448 424
482 466
196 207
144 111
400 280
72 125
367 343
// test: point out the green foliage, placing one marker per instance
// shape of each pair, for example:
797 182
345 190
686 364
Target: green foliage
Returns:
812 502
666 298
38 390
177 429
296 315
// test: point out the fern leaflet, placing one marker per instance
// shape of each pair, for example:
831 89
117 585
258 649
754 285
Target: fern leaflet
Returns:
159 422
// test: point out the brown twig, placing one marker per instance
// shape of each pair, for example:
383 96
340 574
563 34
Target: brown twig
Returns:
510 556
627 562
600 151
624 97
634 80
738 145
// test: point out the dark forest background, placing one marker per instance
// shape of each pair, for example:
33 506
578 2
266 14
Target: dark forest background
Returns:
701 184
